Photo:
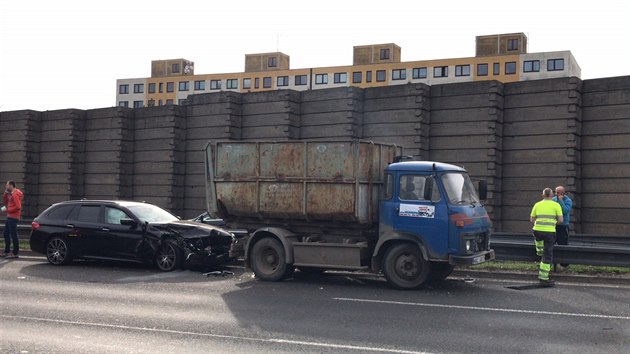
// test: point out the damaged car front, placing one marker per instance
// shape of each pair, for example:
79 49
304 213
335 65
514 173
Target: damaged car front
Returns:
200 244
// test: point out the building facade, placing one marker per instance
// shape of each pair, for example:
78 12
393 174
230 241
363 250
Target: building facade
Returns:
501 57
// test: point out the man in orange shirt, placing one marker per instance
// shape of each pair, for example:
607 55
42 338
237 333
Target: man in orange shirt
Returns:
12 198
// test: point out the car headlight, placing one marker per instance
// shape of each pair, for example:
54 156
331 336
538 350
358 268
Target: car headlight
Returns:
468 246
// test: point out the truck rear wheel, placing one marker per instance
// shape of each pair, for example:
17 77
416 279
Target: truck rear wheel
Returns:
269 261
404 266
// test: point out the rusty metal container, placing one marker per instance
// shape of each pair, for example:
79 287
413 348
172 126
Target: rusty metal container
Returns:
328 183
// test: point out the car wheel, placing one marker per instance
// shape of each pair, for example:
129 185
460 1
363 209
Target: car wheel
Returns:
404 266
440 271
58 251
169 257
268 260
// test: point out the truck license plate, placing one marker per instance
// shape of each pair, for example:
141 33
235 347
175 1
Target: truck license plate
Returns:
479 259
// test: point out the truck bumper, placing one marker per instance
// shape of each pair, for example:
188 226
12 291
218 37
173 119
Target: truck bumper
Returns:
476 258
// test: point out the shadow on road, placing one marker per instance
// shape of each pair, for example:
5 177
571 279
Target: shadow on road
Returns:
112 272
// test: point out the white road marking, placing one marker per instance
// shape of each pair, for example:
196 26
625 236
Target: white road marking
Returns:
199 334
460 307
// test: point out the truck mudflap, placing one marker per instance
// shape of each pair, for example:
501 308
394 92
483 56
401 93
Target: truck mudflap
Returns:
476 258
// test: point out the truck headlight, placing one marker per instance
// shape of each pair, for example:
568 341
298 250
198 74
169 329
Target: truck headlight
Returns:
468 246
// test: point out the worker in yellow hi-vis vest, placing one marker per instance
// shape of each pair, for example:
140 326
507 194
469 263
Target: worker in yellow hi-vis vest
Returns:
545 215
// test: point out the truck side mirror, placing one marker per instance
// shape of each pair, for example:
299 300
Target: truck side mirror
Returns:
428 188
483 190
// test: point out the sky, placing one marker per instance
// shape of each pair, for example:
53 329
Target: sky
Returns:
68 54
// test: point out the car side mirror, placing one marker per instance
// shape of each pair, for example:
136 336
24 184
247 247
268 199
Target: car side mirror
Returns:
483 190
128 222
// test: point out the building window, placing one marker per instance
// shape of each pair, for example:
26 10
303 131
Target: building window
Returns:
152 87
161 87
138 88
200 85
282 81
380 75
159 102
267 82
512 44
123 103
247 83
151 103
385 54
169 102
555 64
482 69
272 62
462 70
257 82
176 68
231 84
138 104
300 80
368 76
440 71
341 78
496 69
419 73
531 66
357 77
181 101
399 74
184 85
170 86
123 89
510 68
321 79
215 84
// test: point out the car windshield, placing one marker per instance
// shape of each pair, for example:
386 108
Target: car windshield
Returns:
151 213
459 189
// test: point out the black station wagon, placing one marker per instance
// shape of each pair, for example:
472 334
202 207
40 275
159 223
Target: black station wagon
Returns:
129 231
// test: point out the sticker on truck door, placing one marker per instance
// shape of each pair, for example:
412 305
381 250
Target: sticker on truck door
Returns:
417 211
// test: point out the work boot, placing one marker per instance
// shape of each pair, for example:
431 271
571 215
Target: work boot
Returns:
546 283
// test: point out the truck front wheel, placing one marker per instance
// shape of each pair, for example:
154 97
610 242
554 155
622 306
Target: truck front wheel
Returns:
404 266
269 261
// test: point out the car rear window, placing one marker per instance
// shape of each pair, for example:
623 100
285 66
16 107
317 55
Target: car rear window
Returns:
60 212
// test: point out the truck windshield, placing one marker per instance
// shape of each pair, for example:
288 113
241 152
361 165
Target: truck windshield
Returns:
459 189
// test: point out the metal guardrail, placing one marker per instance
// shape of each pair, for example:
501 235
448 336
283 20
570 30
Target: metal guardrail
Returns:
597 250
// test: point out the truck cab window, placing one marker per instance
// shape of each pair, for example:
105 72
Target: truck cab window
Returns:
411 187
388 191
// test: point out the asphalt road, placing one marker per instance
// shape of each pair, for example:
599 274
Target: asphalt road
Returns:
116 308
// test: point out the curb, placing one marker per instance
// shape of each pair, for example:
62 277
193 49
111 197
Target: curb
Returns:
531 276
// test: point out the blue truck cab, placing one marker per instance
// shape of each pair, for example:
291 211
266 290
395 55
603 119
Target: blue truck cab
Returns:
435 209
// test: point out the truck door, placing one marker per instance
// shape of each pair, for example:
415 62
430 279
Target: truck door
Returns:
421 211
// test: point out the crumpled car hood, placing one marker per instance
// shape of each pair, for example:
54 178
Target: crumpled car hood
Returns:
189 229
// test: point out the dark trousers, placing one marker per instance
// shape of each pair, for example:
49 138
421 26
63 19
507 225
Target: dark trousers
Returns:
10 233
562 237
544 247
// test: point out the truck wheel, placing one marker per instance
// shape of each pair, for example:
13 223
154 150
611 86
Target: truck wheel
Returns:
440 271
268 260
404 266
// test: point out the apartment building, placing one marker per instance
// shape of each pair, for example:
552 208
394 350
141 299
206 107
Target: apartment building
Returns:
501 57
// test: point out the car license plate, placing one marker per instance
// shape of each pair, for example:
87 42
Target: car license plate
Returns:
479 259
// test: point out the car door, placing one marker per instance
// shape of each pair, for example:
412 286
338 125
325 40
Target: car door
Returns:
86 223
126 241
